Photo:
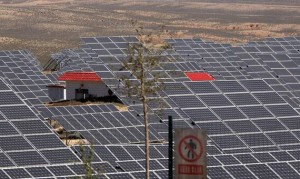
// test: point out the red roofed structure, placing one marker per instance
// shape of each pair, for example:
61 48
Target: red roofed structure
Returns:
81 85
79 76
199 76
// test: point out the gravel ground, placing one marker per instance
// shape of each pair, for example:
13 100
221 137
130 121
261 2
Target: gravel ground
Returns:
45 26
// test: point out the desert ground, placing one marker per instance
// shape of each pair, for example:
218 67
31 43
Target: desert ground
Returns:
48 26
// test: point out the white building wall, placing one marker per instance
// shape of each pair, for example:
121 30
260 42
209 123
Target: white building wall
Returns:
97 89
65 94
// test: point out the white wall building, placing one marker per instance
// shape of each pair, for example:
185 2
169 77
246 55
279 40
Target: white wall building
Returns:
56 92
81 85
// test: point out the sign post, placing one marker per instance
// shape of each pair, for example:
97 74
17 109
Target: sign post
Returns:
190 154
170 147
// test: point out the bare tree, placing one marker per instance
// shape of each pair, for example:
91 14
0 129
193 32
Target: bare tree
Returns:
142 58
87 154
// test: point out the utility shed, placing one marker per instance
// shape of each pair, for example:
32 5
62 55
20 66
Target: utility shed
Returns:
82 85
56 92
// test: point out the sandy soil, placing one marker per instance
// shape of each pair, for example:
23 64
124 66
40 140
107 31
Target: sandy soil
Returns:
45 26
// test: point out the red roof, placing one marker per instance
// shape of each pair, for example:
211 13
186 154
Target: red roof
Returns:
199 76
79 76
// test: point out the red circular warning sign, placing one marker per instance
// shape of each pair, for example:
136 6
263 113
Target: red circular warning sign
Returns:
190 148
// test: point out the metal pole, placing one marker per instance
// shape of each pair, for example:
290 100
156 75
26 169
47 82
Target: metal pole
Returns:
170 147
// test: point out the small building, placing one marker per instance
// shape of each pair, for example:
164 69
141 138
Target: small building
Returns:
82 85
56 92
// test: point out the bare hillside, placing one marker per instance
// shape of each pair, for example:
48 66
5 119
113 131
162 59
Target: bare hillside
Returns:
45 26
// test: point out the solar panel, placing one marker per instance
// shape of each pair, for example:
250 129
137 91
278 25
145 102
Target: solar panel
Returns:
242 99
14 143
9 98
200 115
117 176
242 126
246 158
229 86
269 124
105 154
291 123
60 156
61 170
102 168
282 168
239 171
79 169
154 165
215 100
120 136
5 161
228 141
282 110
31 126
228 113
3 175
7 129
175 88
109 136
187 101
39 172
211 161
283 137
17 112
39 141
269 98
282 156
141 175
17 173
130 166
295 165
264 157
227 160
28 157
262 171
256 111
256 85
256 139
135 151
214 128
2 118
218 172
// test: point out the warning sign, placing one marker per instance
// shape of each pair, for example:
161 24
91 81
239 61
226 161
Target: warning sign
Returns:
190 148
190 154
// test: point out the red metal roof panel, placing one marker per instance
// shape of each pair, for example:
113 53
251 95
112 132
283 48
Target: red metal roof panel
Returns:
79 76
199 76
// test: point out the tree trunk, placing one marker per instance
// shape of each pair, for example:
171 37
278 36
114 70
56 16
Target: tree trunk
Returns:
147 154
145 111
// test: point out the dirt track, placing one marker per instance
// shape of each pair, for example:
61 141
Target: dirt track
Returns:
44 26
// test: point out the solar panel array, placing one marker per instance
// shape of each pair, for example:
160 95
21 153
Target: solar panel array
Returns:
241 111
103 124
28 147
250 110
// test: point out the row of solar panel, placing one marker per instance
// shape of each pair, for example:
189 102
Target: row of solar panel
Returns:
58 171
25 140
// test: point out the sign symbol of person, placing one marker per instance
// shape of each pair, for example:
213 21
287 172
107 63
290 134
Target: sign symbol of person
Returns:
191 146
